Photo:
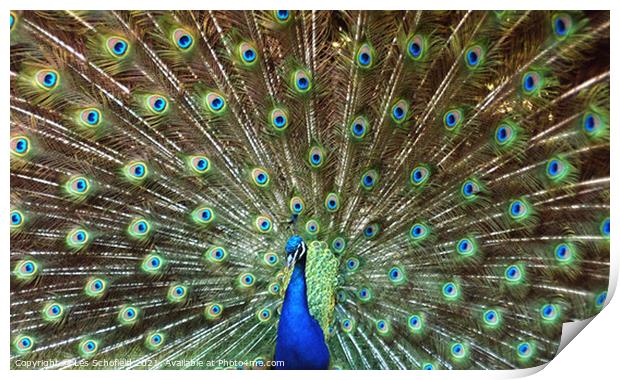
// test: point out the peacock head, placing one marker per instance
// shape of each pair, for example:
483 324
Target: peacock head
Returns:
295 250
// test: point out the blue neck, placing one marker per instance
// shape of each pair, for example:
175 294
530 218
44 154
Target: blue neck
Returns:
300 342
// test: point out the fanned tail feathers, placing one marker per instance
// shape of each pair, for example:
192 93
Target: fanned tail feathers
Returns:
456 165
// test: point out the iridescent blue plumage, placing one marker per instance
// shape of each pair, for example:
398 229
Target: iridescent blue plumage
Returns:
300 342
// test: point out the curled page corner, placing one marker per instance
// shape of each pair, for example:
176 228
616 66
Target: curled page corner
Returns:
570 331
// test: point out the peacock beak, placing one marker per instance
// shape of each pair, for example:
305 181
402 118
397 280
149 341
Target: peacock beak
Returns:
292 258
290 261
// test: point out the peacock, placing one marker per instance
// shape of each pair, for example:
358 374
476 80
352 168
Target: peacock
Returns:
306 189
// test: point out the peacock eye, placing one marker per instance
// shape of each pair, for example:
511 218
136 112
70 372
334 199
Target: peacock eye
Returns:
420 175
213 311
353 264
95 287
470 189
88 348
491 318
364 294
601 298
453 119
47 79
416 47
466 247
458 350
556 169
338 245
282 16
78 186
23 343
505 134
17 218
316 157
118 47
136 171
549 312
157 104
199 164
128 315
341 296
513 274
332 202
216 255
562 24
152 263
90 117
399 111
270 259
13 20
302 81
369 179
264 315
450 291
415 323
139 228
26 270
418 231
605 227
215 103
177 293
524 350
77 238
247 53
347 325
474 56
359 127
553 168
260 177
396 275
564 253
53 312
312 227
274 289
428 366
519 210
263 224
383 327
203 215
296 205
20 146
279 119
592 124
371 231
154 340
365 56
246 280
532 82
182 39
80 236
